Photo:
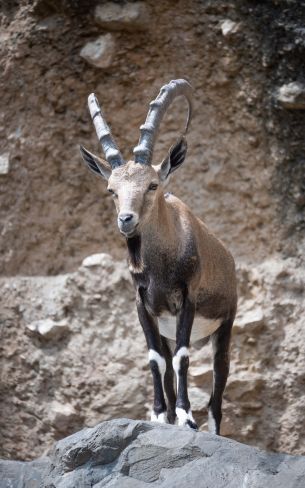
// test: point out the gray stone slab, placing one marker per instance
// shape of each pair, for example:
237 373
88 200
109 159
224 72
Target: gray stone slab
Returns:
133 454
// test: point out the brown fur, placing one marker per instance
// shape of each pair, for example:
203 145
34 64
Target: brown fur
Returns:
176 247
179 268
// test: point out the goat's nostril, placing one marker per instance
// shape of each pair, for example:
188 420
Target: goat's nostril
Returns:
125 217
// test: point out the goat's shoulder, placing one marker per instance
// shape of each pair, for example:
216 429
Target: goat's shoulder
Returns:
181 214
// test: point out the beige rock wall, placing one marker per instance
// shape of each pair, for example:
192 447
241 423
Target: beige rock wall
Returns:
97 369
73 353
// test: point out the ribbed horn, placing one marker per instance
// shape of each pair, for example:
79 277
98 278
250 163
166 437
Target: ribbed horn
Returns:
111 151
144 150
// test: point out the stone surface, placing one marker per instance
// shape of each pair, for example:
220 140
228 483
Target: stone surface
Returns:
49 329
99 53
252 319
62 416
128 16
14 474
292 95
99 369
129 453
102 259
228 27
4 163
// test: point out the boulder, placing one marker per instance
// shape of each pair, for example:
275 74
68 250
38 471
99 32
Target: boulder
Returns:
16 474
228 27
61 415
100 52
100 260
241 384
252 321
292 95
130 453
201 374
129 16
49 328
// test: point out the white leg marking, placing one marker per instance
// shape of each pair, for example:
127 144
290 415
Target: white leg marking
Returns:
184 416
211 422
161 418
183 351
155 356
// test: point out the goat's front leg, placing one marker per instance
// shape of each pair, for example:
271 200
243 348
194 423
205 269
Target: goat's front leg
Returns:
156 360
181 362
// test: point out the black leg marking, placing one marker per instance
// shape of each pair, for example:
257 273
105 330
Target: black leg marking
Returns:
181 362
169 381
159 405
156 359
182 399
221 366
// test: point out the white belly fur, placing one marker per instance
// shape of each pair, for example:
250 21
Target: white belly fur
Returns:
201 327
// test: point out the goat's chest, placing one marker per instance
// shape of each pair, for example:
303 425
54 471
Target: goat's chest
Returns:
166 305
159 299
201 328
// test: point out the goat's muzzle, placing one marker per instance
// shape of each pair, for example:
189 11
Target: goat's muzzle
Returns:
128 223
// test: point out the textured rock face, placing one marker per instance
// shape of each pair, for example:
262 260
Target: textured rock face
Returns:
244 169
100 52
244 175
129 16
99 370
292 95
14 474
133 454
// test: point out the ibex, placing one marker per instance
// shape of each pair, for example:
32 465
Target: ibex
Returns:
184 277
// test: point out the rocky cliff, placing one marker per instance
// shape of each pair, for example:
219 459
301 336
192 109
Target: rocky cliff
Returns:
243 174
72 352
133 454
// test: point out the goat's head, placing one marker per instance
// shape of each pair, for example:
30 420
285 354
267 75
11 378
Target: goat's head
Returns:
137 185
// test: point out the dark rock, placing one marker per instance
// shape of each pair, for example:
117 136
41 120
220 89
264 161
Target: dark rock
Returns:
16 474
129 453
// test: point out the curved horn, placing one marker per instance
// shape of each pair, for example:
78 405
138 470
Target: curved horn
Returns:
111 151
144 150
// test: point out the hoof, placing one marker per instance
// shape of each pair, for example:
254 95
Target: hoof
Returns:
171 417
191 424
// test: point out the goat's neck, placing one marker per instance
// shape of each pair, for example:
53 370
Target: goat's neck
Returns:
157 237
159 229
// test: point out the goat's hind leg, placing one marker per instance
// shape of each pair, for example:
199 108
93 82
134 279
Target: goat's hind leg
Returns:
221 366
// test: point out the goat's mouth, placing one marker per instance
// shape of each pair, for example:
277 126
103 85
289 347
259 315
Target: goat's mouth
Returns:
131 233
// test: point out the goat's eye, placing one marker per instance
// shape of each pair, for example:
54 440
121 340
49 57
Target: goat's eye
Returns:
112 192
153 186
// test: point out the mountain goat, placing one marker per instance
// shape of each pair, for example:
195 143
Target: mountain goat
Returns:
184 277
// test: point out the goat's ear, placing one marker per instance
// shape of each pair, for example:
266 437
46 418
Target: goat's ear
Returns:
95 164
173 160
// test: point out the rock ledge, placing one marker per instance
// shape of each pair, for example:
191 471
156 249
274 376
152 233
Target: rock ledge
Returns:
130 453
